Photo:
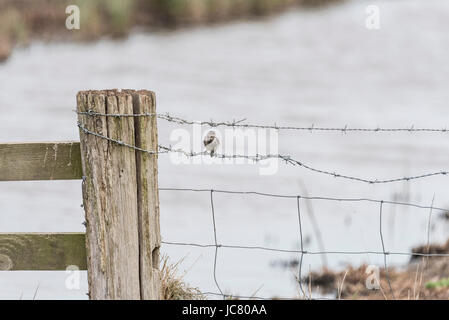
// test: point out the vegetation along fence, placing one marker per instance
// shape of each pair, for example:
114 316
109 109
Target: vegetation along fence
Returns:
116 159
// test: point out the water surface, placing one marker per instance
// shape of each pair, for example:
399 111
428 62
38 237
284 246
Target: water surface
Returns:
301 68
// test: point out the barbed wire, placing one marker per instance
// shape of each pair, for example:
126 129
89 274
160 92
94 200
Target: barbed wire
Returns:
119 142
115 115
345 129
260 157
302 251
239 124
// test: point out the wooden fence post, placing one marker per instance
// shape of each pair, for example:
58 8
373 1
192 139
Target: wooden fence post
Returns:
120 195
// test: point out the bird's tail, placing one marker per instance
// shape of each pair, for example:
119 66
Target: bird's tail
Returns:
212 153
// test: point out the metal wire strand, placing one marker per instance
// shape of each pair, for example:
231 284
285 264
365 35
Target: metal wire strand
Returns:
258 157
365 252
301 251
238 124
345 129
313 198
288 160
216 242
383 250
302 246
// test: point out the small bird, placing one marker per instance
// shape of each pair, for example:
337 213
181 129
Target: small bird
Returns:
211 142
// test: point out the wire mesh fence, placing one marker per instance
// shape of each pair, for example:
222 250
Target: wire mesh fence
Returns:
302 251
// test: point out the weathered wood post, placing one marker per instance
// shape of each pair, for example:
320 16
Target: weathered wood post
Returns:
120 194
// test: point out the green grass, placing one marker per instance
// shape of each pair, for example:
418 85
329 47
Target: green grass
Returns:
13 25
113 16
21 22
119 14
443 283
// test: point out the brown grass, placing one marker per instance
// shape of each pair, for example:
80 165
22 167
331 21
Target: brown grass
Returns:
173 287
418 280
22 20
432 249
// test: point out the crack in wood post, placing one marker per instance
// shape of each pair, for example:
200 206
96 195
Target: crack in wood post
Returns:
120 195
147 193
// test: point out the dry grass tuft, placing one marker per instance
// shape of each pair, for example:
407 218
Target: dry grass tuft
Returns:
172 285
421 280
432 249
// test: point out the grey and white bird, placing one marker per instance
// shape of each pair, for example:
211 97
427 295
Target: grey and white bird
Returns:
211 142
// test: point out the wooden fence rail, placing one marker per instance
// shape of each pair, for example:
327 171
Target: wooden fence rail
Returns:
42 251
40 161
120 248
